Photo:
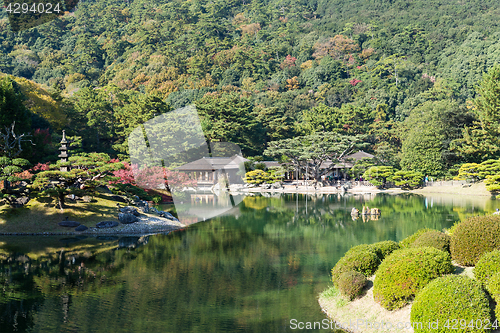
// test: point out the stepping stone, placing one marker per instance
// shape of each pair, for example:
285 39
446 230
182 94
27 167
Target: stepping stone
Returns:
129 210
69 224
118 198
81 228
106 224
126 218
170 216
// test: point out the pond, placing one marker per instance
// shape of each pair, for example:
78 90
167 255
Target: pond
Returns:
252 270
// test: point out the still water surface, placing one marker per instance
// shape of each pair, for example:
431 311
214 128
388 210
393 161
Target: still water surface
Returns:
252 270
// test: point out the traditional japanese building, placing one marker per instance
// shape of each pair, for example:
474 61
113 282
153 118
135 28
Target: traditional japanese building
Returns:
340 169
208 170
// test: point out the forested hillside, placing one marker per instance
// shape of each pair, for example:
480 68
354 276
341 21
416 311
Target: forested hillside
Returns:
403 74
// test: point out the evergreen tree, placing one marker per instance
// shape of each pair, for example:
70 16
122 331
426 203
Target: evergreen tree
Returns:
481 141
12 108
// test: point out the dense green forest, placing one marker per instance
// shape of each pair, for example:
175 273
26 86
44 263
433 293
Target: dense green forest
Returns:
405 75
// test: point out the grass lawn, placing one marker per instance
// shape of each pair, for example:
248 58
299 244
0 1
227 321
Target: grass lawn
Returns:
37 216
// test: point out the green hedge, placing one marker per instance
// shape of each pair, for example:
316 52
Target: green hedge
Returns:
410 239
408 179
351 284
381 249
359 248
493 286
487 266
405 272
474 237
364 262
433 238
447 298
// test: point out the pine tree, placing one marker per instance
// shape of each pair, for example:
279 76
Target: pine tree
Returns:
481 141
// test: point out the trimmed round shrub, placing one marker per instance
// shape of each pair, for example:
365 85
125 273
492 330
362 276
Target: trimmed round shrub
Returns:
405 272
359 248
487 266
474 237
351 284
383 249
410 239
433 238
447 298
497 311
364 262
493 287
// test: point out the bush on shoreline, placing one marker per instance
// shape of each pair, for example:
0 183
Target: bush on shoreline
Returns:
433 238
381 249
447 298
474 237
405 243
405 272
351 284
487 266
493 288
364 262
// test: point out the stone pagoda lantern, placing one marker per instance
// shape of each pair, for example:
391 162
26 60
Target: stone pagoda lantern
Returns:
64 152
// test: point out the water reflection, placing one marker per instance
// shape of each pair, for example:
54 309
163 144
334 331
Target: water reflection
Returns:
252 270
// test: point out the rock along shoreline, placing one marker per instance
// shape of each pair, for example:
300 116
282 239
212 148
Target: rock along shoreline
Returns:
146 225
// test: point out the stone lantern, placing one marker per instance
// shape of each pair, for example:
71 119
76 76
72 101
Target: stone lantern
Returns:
64 152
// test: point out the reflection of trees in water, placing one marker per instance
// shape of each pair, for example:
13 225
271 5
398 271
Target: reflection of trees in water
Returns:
26 282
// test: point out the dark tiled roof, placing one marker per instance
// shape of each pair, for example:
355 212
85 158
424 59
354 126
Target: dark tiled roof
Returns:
350 160
359 155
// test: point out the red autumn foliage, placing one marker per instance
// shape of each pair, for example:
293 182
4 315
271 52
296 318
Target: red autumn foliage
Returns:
288 62
42 135
354 82
155 177
40 167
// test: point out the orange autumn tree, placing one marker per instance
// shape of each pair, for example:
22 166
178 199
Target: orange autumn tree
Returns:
338 47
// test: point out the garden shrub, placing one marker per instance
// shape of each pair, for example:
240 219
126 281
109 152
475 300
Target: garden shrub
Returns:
433 238
383 249
487 266
497 311
378 175
447 298
359 248
474 237
364 262
130 191
405 272
410 239
258 176
351 284
493 287
407 179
